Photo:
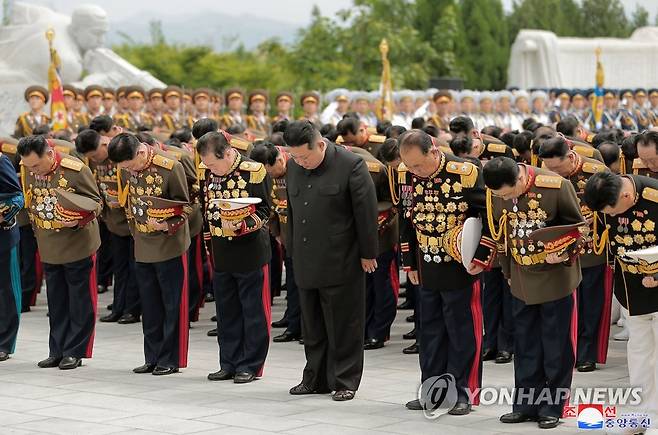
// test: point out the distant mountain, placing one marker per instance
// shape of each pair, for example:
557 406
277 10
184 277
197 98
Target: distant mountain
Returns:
221 31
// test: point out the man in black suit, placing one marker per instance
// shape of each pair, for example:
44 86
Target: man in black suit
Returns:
332 227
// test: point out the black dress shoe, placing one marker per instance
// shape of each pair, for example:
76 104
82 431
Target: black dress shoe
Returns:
402 294
212 333
70 363
411 335
343 395
516 417
503 357
4 356
210 298
50 362
25 309
128 318
547 422
213 319
413 349
222 375
373 343
146 368
489 355
109 307
102 289
110 318
163 371
414 405
283 323
411 319
406 305
285 337
243 378
302 389
586 366
460 408
301 341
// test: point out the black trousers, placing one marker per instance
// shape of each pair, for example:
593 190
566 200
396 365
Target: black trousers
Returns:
293 312
451 337
72 299
10 299
242 301
380 299
544 354
163 291
591 298
333 325
126 291
207 270
195 276
104 257
31 266
497 311
276 267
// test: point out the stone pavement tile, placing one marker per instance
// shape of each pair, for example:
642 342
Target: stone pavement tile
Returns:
113 388
234 430
331 429
441 426
257 421
87 413
10 418
25 391
18 404
264 407
61 426
341 414
167 424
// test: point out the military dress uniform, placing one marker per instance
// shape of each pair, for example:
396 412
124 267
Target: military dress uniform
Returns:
450 307
28 121
241 278
68 254
160 256
133 121
11 202
543 294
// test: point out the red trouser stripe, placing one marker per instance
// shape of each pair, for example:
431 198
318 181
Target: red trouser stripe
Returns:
267 305
93 296
604 321
474 380
183 319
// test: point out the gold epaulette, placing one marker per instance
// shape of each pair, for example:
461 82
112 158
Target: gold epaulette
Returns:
650 194
62 149
9 148
176 154
257 171
374 166
402 173
372 130
584 150
446 150
339 140
515 152
499 148
639 164
376 138
240 144
549 181
590 137
163 162
74 165
592 168
467 171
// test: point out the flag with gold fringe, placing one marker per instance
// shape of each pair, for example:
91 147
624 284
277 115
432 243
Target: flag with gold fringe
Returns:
598 90
385 106
57 107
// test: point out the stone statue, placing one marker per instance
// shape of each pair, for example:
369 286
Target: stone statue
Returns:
24 55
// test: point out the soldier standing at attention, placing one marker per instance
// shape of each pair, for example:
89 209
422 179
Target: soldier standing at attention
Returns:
36 97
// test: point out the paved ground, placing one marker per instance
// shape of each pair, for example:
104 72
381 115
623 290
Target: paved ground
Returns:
105 397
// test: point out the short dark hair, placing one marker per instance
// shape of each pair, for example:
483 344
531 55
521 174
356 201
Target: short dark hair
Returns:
213 142
147 138
280 126
236 129
328 131
123 147
416 138
431 129
648 138
173 142
492 130
461 145
66 134
351 115
182 134
610 153
529 122
87 141
461 124
629 146
264 152
41 130
301 132
389 151
382 126
499 172
522 142
418 122
508 138
203 126
35 143
348 125
610 135
394 131
602 189
277 139
567 126
554 147
101 123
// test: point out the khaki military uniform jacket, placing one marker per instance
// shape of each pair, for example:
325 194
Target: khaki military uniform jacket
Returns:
27 122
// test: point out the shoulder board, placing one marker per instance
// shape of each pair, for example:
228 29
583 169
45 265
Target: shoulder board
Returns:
257 170
549 181
592 168
240 144
446 150
74 165
402 173
202 166
377 138
339 140
499 148
176 154
163 162
590 137
515 152
639 164
583 150
467 171
9 148
650 194
374 166
63 149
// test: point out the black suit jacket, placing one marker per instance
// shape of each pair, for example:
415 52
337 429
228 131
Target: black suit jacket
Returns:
332 219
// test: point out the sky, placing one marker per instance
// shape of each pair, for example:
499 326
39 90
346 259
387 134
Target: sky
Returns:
292 11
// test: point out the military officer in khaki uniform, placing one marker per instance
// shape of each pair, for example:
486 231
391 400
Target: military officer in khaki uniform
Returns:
310 102
284 106
521 199
234 101
135 118
93 95
354 133
67 243
172 118
441 119
36 97
202 106
594 294
258 120
156 107
74 119
162 238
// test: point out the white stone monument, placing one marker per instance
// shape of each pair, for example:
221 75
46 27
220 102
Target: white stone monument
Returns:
79 39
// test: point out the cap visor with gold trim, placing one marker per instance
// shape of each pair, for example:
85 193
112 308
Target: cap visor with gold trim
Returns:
237 208
71 206
559 238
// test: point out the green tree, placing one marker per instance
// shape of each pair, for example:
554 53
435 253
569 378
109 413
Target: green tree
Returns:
604 18
563 17
438 23
640 18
